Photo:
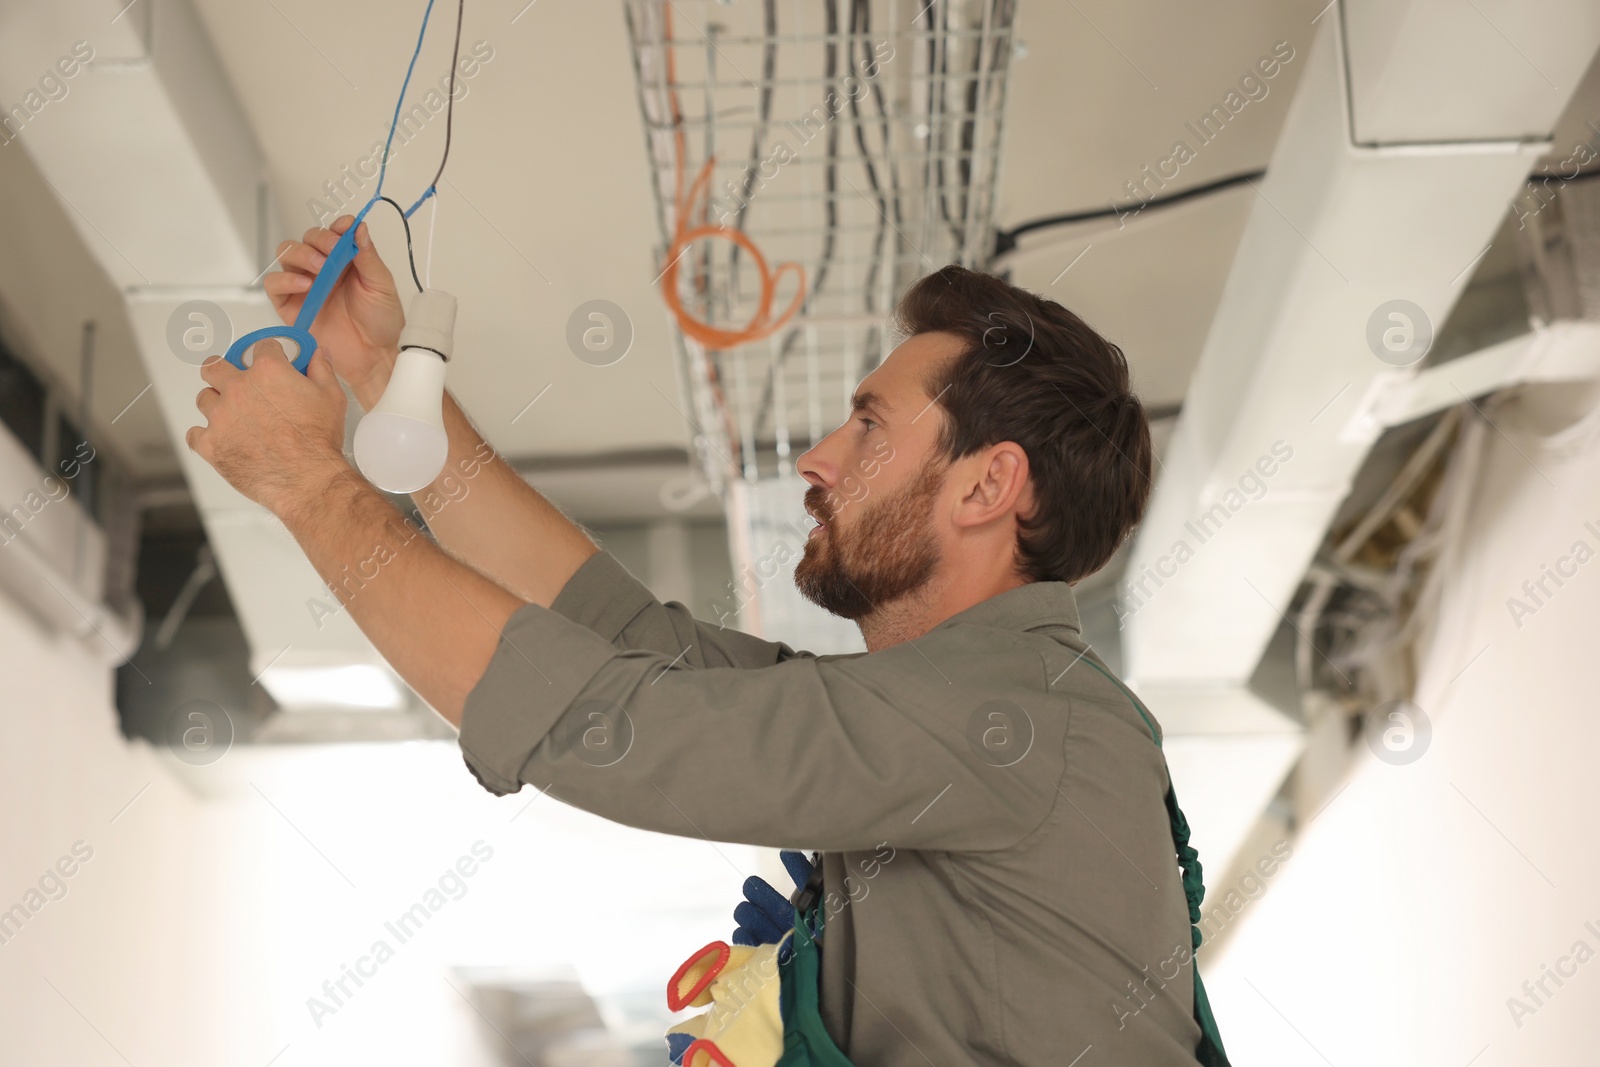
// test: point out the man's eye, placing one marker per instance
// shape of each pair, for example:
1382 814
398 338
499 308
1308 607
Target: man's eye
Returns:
864 419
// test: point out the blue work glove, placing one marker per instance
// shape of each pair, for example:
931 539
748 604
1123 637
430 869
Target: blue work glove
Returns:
766 915
677 1045
763 918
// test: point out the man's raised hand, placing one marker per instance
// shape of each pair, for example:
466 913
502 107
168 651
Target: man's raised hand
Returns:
359 325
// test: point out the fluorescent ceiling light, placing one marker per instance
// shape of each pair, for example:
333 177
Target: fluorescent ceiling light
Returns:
353 685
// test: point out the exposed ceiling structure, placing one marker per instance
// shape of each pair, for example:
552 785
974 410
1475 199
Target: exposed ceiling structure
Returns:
1384 190
201 135
543 186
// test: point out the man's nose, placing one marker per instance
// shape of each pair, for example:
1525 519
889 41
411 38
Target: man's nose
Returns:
817 465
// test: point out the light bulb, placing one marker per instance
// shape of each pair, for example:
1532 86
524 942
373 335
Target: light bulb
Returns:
401 444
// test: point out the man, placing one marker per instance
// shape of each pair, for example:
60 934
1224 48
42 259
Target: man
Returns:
999 884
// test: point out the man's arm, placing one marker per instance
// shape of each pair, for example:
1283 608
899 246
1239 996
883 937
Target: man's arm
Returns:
609 600
278 438
817 752
828 753
478 507
435 620
487 516
831 753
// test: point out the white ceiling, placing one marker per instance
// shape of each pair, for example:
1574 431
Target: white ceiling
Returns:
547 202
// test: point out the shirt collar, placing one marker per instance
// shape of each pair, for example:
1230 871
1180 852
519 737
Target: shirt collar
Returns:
1025 607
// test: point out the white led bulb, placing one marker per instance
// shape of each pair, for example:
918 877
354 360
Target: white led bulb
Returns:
400 444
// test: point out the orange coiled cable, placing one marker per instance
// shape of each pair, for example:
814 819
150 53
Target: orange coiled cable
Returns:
761 324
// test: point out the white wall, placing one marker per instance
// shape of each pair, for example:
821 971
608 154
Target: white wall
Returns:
135 946
218 901
1424 895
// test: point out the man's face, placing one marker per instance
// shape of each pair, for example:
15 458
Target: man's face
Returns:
875 489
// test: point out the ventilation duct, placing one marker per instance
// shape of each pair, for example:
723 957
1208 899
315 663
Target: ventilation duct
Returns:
1413 128
153 161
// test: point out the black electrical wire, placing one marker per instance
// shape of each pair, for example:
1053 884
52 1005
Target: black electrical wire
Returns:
861 23
1006 240
859 18
969 119
969 137
758 135
410 255
831 171
450 106
883 112
894 195
939 72
449 116
831 185
1002 15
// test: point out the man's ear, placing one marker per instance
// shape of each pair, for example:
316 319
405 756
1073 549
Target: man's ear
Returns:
1027 504
1000 484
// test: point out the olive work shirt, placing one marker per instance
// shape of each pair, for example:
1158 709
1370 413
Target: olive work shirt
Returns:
1000 882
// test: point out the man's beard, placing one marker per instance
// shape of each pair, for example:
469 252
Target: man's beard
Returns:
888 552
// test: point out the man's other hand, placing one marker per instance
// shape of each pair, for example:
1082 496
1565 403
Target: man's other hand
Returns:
274 434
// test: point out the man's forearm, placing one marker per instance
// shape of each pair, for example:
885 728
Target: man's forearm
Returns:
434 619
493 519
502 525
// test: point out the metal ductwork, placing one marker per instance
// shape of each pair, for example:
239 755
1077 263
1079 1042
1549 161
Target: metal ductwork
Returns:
1413 128
153 159
53 558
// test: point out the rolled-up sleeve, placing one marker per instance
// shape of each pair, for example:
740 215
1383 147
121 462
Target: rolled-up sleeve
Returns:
825 752
605 597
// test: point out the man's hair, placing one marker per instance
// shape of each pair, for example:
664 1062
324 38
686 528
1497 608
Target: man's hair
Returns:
1034 373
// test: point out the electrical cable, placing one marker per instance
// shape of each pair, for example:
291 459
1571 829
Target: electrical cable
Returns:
761 324
1006 240
433 186
830 182
758 135
410 256
449 122
344 250
433 222
450 106
830 72
860 12
1004 14
860 25
894 179
673 120
880 102
939 72
388 144
969 138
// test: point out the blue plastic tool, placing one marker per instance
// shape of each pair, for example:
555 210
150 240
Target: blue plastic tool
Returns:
300 331
343 251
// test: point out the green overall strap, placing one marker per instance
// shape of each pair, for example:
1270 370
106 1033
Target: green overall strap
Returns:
805 1040
1210 1052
